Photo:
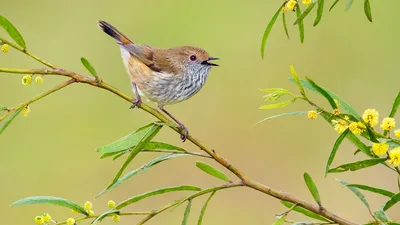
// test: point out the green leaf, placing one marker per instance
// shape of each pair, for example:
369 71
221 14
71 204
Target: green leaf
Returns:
89 66
268 30
367 10
348 5
141 170
333 5
151 132
129 141
357 142
9 120
393 200
187 212
278 105
160 191
285 25
320 11
302 16
212 171
338 142
282 114
396 105
304 211
2 108
357 165
296 78
372 189
300 23
323 92
381 215
279 220
12 31
102 216
312 187
203 210
357 193
50 200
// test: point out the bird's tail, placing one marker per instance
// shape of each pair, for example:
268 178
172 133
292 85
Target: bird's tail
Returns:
113 32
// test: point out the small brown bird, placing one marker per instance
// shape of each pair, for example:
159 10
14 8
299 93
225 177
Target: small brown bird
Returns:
164 76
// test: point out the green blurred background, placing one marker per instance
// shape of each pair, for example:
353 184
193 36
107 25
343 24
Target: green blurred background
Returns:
52 151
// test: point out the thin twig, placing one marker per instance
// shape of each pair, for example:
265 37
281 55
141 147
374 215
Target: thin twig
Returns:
179 152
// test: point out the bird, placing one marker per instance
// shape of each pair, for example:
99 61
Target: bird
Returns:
165 76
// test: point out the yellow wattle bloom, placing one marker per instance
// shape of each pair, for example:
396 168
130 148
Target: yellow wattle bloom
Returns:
340 126
26 110
306 2
116 218
394 156
388 123
46 217
39 220
70 221
291 4
4 48
371 117
39 80
397 133
312 114
88 205
111 204
336 112
27 79
357 127
380 148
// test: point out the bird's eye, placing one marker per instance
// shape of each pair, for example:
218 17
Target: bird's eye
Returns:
192 57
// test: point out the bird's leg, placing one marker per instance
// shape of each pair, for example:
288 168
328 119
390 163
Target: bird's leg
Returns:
183 128
138 99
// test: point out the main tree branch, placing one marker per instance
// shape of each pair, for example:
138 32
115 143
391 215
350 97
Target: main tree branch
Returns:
99 83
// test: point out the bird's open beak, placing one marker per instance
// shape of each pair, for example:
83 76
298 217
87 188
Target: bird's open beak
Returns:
206 62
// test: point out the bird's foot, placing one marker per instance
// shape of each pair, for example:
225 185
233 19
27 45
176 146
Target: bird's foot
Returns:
185 131
137 102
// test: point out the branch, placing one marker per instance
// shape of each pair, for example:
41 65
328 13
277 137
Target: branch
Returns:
246 181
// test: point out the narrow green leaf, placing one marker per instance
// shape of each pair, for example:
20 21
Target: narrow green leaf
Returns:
268 30
372 189
161 191
2 108
187 212
304 211
296 78
302 16
393 200
396 105
9 120
12 31
357 193
320 11
381 215
279 220
50 200
333 5
338 142
367 10
89 66
323 92
212 171
126 142
203 210
357 165
285 25
348 5
142 142
282 114
102 216
300 23
278 105
142 170
312 187
356 141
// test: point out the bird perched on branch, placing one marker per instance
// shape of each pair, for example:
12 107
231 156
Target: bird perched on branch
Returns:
164 76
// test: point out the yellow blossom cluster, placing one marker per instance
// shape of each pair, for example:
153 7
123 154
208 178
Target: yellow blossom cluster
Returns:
312 114
27 79
291 5
45 218
88 206
4 48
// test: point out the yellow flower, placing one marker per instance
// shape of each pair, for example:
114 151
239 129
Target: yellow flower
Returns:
27 79
39 80
336 112
111 204
46 217
74 212
335 100
88 205
340 126
357 127
284 9
116 218
291 4
90 213
388 123
394 155
26 110
370 117
397 133
312 114
306 2
39 220
70 221
4 48
380 148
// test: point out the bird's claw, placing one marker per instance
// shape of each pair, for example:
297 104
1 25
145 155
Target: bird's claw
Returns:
137 102
185 134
